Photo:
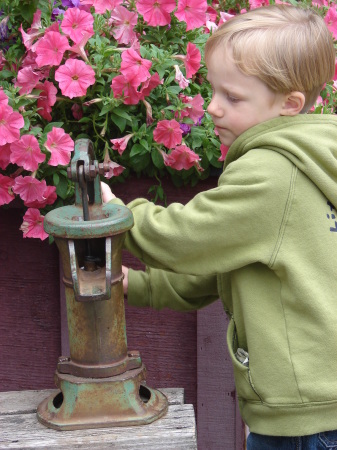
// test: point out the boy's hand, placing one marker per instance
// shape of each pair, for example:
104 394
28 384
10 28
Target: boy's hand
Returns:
125 280
107 194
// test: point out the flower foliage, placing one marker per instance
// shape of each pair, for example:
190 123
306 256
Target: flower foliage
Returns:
127 74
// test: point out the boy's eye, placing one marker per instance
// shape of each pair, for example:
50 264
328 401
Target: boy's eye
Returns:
232 99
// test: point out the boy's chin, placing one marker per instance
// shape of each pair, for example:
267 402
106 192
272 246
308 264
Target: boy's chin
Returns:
226 141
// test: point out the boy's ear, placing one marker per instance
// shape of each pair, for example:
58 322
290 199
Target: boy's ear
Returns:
293 103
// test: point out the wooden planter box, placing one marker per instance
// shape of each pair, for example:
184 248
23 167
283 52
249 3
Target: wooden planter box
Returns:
186 350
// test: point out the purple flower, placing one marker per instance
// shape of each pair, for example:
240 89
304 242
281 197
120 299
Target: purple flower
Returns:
4 29
56 12
185 128
70 3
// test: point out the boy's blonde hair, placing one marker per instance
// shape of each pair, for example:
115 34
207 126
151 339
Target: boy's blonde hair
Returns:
288 48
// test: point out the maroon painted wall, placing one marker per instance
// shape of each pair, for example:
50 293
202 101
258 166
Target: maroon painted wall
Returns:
29 307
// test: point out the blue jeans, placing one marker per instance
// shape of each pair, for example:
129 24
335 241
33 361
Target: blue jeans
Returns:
320 441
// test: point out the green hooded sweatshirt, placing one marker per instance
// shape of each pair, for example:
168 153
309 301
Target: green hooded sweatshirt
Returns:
265 242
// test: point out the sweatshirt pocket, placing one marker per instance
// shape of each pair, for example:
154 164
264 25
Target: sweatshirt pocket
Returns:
242 374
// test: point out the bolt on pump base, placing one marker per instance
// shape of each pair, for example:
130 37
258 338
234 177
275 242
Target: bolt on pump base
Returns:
101 383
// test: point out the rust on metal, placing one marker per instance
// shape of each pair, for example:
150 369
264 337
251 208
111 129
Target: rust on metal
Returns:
101 383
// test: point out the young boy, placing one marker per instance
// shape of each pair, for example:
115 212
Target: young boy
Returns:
265 239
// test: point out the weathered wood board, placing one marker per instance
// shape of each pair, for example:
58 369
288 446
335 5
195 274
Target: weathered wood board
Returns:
20 429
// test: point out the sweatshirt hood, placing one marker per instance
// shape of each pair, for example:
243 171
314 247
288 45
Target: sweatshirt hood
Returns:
308 141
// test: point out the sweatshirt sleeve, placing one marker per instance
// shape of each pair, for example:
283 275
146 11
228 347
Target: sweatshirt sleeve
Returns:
161 289
219 230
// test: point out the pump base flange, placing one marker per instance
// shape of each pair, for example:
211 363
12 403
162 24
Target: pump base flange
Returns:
82 403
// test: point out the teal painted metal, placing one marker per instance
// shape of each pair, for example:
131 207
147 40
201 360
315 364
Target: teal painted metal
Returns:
68 222
101 382
117 401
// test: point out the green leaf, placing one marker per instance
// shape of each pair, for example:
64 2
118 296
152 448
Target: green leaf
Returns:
137 149
157 159
174 90
144 143
28 10
120 122
140 162
62 188
209 153
143 128
6 74
215 142
50 126
26 123
85 120
56 179
121 113
106 108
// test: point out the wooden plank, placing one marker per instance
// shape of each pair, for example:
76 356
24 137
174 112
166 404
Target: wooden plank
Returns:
21 430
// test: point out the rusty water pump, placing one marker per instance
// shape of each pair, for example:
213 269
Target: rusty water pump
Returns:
101 383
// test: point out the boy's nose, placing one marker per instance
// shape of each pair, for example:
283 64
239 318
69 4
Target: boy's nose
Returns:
214 109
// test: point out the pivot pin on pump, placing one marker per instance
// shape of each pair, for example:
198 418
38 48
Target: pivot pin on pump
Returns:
101 383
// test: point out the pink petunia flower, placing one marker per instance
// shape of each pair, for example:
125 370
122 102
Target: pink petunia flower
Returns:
193 12
168 133
10 124
148 109
6 193
114 170
76 22
150 84
34 32
120 144
179 78
60 146
211 13
29 60
258 3
79 47
75 77
134 67
224 17
182 157
29 188
194 107
123 88
47 98
123 22
32 225
5 153
191 60
49 197
101 6
156 12
26 153
27 79
50 49
331 20
77 111
224 150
